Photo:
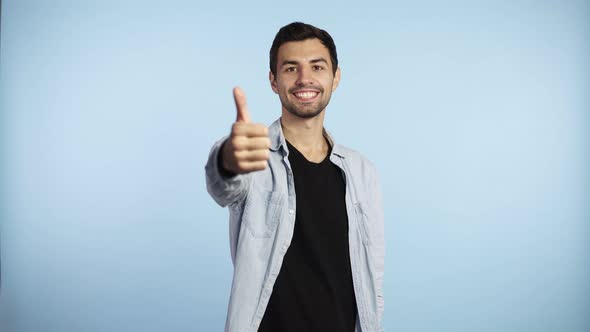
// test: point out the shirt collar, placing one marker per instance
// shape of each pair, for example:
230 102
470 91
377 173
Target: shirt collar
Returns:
277 139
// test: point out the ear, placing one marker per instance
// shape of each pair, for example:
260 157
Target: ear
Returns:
273 81
336 79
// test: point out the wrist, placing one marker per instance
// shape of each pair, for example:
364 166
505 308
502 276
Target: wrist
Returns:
221 163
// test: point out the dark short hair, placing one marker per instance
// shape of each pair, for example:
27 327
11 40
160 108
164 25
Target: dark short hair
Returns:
298 31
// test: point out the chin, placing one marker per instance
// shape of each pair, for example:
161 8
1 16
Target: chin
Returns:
306 115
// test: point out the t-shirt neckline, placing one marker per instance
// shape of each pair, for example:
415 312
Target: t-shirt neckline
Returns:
293 148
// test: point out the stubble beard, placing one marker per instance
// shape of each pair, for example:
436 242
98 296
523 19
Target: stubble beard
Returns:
305 112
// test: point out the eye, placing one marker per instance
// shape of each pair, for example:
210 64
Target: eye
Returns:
316 67
290 69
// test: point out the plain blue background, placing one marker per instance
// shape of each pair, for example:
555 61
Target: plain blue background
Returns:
476 114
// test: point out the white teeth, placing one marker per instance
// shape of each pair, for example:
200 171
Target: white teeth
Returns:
306 94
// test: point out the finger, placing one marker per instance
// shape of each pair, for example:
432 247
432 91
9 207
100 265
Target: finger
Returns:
250 166
253 155
250 143
249 129
241 106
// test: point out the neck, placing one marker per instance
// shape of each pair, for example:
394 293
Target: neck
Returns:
307 135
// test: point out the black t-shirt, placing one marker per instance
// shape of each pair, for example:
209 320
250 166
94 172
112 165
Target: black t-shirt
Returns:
313 291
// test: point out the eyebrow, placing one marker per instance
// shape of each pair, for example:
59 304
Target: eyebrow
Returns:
319 60
293 62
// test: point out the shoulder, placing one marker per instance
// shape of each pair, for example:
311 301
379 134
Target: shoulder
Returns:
356 160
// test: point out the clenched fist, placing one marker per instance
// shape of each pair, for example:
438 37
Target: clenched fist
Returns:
247 148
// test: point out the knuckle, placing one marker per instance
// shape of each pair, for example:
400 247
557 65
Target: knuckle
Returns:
237 142
235 128
239 155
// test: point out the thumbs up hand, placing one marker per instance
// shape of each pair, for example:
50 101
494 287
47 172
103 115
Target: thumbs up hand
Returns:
247 148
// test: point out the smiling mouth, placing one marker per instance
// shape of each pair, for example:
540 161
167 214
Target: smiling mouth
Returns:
306 95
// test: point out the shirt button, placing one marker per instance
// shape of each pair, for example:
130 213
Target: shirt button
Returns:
291 212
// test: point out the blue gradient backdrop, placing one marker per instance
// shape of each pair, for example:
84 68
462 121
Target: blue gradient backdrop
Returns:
476 114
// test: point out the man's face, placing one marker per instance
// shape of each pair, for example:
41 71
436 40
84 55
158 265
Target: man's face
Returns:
304 77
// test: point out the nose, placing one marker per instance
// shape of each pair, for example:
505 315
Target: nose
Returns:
305 77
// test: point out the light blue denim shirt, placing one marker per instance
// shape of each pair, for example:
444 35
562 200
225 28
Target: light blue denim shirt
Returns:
261 221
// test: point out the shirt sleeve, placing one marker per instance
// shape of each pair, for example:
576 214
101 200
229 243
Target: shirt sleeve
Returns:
379 245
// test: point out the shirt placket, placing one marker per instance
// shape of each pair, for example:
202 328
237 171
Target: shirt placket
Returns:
353 243
276 264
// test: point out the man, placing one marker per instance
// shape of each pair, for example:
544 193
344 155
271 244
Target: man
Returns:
306 221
